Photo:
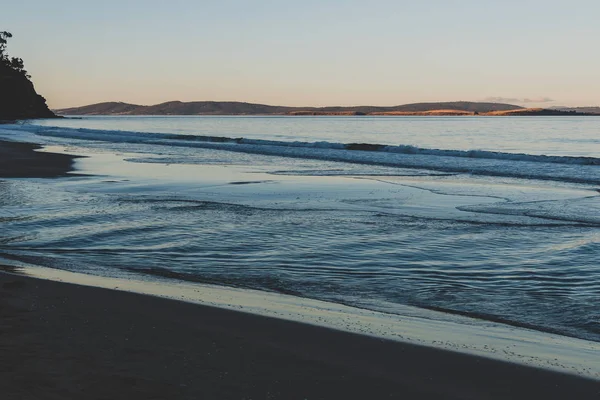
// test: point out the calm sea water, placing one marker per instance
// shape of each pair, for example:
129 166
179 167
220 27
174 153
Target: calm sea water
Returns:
497 218
575 136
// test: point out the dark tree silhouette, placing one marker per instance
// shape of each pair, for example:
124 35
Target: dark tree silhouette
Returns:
14 63
18 98
4 36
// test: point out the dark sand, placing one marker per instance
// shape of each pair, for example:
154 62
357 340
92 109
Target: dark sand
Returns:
65 341
20 160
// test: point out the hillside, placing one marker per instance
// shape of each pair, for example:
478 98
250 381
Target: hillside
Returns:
534 112
439 113
18 98
239 108
585 110
474 107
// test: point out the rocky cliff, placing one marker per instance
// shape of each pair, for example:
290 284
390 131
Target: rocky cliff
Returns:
18 98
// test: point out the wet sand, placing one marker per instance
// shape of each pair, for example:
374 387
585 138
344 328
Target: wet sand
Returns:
65 341
20 160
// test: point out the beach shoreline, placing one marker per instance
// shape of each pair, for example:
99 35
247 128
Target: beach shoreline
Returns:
73 339
21 160
62 340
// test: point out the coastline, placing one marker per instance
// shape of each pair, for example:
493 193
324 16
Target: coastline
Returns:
92 335
409 325
126 345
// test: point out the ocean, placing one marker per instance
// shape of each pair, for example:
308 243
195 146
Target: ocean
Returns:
494 218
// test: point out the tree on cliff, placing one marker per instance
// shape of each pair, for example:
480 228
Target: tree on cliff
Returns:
18 98
14 63
4 36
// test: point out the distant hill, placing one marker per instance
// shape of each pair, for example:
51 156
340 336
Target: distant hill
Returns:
535 112
111 108
239 108
585 110
437 112
176 108
475 107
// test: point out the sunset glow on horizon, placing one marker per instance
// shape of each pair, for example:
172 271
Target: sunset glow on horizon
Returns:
531 53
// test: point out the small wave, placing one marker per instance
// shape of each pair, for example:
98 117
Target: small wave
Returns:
264 283
248 182
478 162
502 320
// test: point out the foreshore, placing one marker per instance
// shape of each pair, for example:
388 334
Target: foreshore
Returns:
20 160
69 341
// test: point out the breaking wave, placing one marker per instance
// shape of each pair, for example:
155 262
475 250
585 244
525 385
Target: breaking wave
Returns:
479 162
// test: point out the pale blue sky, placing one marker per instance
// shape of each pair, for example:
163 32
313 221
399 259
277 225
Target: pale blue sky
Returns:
308 52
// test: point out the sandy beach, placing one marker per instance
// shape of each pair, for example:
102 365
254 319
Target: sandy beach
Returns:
20 160
64 341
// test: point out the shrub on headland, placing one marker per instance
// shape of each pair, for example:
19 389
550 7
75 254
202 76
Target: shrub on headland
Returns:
14 63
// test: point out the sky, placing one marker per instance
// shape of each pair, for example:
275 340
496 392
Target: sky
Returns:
309 53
